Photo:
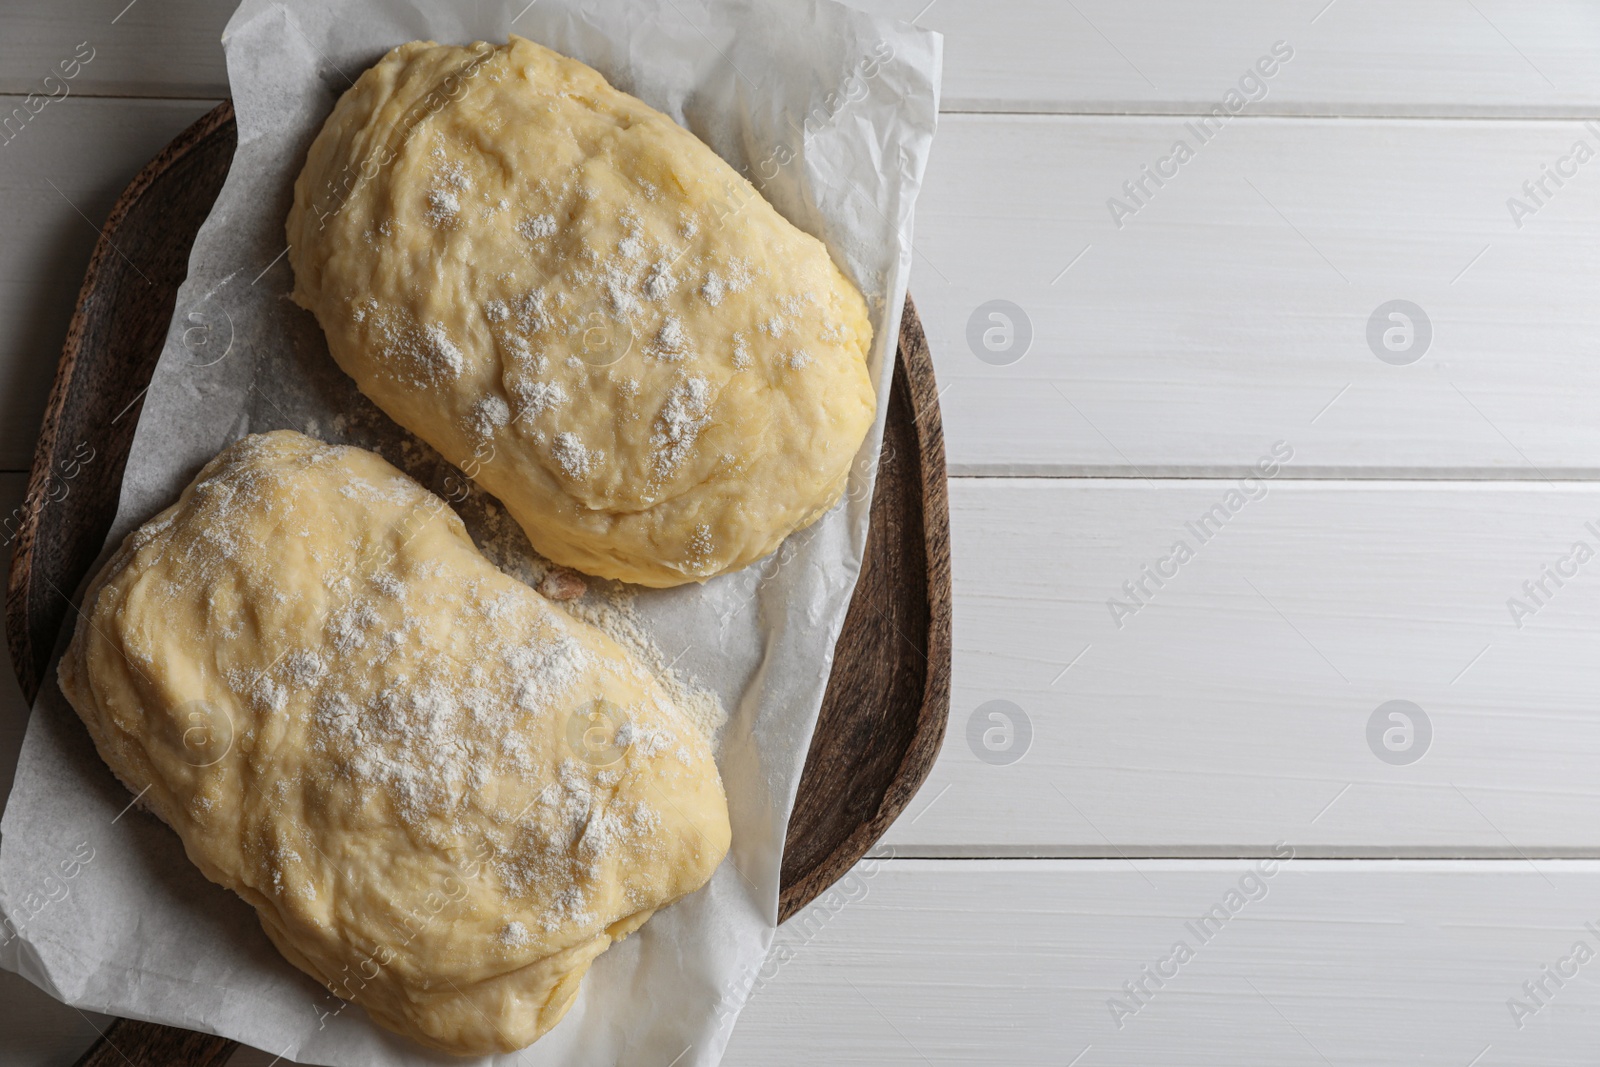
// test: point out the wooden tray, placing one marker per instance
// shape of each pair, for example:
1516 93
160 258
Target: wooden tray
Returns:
884 713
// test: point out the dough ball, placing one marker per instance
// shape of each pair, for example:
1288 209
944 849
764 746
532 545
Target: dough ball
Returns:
443 796
577 302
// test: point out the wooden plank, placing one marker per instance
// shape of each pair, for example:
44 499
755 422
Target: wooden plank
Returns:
1233 308
1232 708
943 962
37 1029
167 48
13 708
1351 57
1427 57
58 179
1340 962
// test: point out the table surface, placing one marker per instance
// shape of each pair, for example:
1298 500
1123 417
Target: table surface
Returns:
1217 501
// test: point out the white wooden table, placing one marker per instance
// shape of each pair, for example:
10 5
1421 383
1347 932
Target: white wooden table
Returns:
1168 735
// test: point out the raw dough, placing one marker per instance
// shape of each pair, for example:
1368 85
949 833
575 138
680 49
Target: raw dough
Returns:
443 796
575 300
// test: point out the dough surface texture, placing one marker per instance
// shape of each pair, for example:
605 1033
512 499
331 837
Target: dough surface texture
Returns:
443 796
574 299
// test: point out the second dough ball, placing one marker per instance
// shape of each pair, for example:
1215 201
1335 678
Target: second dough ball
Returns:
576 300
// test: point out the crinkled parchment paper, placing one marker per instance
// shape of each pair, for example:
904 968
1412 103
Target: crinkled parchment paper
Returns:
831 113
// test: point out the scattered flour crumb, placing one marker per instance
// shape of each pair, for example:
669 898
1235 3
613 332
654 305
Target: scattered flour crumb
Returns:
443 350
573 457
489 415
304 668
514 934
443 207
536 397
682 418
671 343
660 281
536 227
714 289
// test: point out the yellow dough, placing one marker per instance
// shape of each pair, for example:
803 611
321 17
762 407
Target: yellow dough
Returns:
574 299
443 796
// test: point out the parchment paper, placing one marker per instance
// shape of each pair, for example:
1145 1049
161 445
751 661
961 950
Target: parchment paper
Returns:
831 113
